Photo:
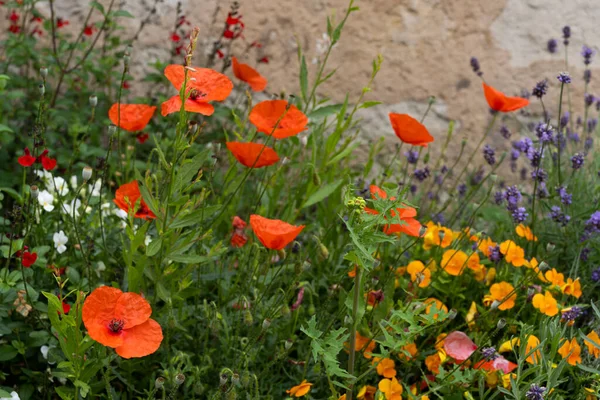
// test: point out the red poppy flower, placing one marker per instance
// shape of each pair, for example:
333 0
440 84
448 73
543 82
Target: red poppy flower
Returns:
239 238
61 22
459 346
498 364
142 137
266 114
47 163
28 259
134 117
26 160
238 223
407 214
409 130
498 101
121 321
274 234
253 155
126 197
203 85
246 73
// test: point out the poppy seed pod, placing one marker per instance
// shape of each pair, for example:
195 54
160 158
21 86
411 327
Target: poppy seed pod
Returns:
112 129
266 323
452 314
42 89
223 379
501 323
495 305
550 247
235 379
288 344
44 72
248 319
159 383
86 173
93 100
35 191
179 379
544 266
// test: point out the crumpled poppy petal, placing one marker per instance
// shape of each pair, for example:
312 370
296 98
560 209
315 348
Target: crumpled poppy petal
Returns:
170 106
409 130
377 192
499 364
127 195
141 340
274 234
498 101
133 309
459 346
210 84
174 105
133 118
246 73
253 155
266 114
98 311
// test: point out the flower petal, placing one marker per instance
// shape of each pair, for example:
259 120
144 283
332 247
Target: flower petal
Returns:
253 155
409 130
459 346
141 340
133 117
133 309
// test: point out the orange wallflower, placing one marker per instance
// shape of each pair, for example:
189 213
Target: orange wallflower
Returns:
554 277
121 321
408 351
571 351
266 114
438 305
485 244
474 263
546 303
274 234
133 118
593 350
433 363
454 261
126 197
385 367
366 393
532 343
418 272
499 291
301 390
253 155
363 344
203 85
471 314
246 73
409 130
525 231
498 101
513 253
437 235
391 388
406 214
572 287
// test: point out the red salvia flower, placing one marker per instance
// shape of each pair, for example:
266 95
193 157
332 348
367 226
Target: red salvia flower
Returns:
26 160
66 307
126 85
88 30
14 28
61 22
14 17
220 53
264 60
142 137
175 37
47 163
28 259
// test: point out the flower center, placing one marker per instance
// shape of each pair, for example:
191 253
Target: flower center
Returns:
195 94
116 325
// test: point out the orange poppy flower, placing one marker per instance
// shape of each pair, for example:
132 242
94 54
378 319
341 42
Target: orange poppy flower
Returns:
253 155
409 130
203 85
571 351
546 303
406 214
133 118
246 73
498 101
301 390
266 114
274 234
121 321
126 197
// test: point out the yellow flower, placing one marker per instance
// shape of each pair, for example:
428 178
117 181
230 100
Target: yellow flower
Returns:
419 273
500 291
546 303
532 343
571 351
366 392
525 231
438 305
491 275
409 351
593 350
506 380
385 367
301 390
554 277
513 253
508 345
391 388
453 261
470 318
572 287
437 235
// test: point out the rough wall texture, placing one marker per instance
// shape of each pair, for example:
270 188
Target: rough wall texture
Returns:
426 45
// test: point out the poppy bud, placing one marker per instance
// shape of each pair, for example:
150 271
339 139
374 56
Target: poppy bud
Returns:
311 310
42 89
179 379
112 129
248 319
159 383
431 100
495 305
544 266
422 230
316 179
223 379
550 247
288 344
86 173
266 323
281 254
324 251
285 311
44 72
426 158
452 314
501 323
441 234
93 100
193 127
231 395
493 177
245 379
463 143
35 191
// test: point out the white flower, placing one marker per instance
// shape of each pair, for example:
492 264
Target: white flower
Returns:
147 240
46 200
13 396
74 182
44 175
120 213
60 240
95 188
71 209
100 267
44 349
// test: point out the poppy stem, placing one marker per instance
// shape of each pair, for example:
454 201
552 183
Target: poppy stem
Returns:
560 101
352 357
387 169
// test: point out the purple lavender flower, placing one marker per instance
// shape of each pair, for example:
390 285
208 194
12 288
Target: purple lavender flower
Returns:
574 136
439 179
422 174
494 253
523 173
544 132
560 141
564 78
577 161
524 145
539 174
536 392
589 142
513 197
499 197
475 66
591 124
558 216
572 314
462 189
413 188
444 169
594 222
430 195
565 197
540 88
412 156
589 99
536 158
489 353
552 44
566 30
564 120
587 54
438 218
489 155
587 76
477 178
542 191
596 275
519 215
585 252
505 132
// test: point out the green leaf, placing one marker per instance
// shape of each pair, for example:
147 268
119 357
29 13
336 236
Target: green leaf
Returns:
65 393
345 153
10 191
194 217
323 192
84 388
154 247
4 128
369 104
303 77
325 111
7 352
188 258
190 169
149 200
122 13
98 6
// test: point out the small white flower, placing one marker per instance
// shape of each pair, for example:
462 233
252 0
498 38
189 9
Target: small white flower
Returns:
148 240
58 185
46 200
13 396
120 213
100 267
44 349
88 210
95 188
44 175
71 209
74 182
60 240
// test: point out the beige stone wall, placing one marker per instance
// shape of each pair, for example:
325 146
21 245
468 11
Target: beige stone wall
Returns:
426 45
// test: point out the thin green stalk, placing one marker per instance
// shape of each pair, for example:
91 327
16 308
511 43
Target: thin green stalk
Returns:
352 358
562 86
